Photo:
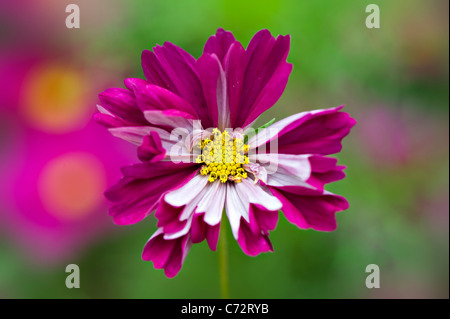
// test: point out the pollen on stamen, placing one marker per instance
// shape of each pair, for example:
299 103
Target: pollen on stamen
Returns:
222 157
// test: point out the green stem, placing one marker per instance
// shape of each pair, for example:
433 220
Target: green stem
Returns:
223 262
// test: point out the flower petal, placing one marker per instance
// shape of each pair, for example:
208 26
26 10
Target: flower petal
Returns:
132 134
175 70
235 207
122 104
186 194
167 254
272 132
296 165
235 63
321 134
138 193
168 218
309 208
270 94
239 198
220 43
214 84
315 132
324 170
201 230
199 195
257 194
212 203
109 120
151 149
175 214
265 77
169 119
180 232
153 97
253 235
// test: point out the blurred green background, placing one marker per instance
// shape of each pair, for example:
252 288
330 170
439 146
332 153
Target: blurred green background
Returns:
393 80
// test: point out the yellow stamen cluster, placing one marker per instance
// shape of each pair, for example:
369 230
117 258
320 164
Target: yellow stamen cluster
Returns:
223 157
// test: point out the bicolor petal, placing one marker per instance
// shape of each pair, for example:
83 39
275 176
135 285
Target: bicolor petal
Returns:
310 208
167 254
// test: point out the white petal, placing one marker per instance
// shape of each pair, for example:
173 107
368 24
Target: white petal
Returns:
102 110
235 207
286 169
283 179
297 165
157 117
257 195
212 203
272 131
132 134
257 170
189 209
187 192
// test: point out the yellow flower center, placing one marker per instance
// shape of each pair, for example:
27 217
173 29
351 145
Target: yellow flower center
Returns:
223 157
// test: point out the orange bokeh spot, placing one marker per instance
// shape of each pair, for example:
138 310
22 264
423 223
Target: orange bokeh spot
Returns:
54 98
71 186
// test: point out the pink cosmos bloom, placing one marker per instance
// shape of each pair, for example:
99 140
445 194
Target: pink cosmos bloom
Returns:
211 104
52 191
55 161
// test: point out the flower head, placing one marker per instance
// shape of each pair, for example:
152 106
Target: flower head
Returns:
55 162
191 120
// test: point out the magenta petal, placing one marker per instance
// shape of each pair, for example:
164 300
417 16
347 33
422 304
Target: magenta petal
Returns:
154 72
316 133
133 83
174 69
212 78
174 264
253 244
152 97
151 149
138 193
168 217
201 230
265 57
158 250
122 103
253 236
267 220
235 63
271 93
261 41
160 170
166 254
166 213
219 44
324 170
109 121
174 226
308 208
212 236
169 119
198 228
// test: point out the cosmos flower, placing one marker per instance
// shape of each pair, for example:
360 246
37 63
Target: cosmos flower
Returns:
191 120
